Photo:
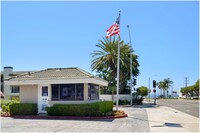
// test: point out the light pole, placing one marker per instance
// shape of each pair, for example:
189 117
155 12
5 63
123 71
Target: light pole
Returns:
131 81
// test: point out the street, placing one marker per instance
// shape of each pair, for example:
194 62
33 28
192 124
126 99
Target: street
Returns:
187 106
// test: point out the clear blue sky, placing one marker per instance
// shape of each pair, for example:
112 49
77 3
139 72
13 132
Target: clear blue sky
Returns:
40 35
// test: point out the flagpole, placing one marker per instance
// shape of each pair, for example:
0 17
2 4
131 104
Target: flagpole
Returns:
118 65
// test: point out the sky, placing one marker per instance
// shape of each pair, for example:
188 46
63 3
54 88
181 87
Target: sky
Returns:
165 35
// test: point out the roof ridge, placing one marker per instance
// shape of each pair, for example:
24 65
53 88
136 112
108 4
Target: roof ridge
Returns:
85 72
24 74
61 68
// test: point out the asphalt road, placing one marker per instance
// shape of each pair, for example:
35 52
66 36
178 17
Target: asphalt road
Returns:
187 106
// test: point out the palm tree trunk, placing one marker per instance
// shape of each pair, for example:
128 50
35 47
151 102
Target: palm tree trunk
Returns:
160 92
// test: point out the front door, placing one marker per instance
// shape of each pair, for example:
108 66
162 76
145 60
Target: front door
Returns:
44 97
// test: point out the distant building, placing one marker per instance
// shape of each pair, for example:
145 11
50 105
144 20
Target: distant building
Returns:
7 90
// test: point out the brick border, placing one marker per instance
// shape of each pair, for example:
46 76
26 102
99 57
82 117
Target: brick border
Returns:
64 117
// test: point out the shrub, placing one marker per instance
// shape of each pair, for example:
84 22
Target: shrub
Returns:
23 109
90 109
14 98
5 108
6 103
137 101
124 102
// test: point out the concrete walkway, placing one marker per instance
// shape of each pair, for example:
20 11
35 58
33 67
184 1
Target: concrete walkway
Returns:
166 119
157 118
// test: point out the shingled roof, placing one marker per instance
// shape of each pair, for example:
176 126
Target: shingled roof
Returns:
55 74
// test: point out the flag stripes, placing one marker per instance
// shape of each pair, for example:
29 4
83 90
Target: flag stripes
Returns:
114 29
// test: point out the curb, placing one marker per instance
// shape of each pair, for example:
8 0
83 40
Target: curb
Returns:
65 117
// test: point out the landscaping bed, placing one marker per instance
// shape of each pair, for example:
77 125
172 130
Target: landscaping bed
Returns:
117 114
98 110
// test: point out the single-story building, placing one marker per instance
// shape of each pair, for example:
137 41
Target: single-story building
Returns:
57 85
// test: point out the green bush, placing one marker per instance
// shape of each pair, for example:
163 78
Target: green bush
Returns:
6 103
137 101
90 109
23 109
124 102
5 108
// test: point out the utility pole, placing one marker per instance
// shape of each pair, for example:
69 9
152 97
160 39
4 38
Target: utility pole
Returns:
186 81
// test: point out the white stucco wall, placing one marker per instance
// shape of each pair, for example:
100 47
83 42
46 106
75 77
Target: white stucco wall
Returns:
28 93
109 97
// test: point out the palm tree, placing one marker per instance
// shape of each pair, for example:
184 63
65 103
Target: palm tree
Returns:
105 60
161 86
167 83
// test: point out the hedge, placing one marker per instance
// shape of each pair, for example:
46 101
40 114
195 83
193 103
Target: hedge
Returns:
23 109
137 101
90 109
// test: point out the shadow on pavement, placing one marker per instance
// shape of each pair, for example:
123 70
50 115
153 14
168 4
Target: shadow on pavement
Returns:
146 105
162 125
169 125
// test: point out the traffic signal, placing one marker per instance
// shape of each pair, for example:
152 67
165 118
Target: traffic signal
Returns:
134 81
154 84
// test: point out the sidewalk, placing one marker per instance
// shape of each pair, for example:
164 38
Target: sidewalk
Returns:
166 119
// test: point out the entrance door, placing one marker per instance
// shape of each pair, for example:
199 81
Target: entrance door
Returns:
44 99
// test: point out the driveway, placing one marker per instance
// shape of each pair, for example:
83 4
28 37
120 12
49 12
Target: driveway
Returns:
137 121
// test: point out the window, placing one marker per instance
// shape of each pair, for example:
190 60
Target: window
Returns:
68 92
55 92
45 91
14 89
93 92
79 92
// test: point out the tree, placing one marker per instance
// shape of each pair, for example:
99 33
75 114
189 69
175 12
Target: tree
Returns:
142 91
165 85
161 86
105 62
191 91
196 88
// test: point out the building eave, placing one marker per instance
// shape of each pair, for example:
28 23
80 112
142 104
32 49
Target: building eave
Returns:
57 81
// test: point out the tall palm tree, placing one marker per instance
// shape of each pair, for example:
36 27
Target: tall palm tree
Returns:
105 59
167 84
161 86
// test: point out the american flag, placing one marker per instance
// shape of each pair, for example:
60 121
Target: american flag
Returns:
114 29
